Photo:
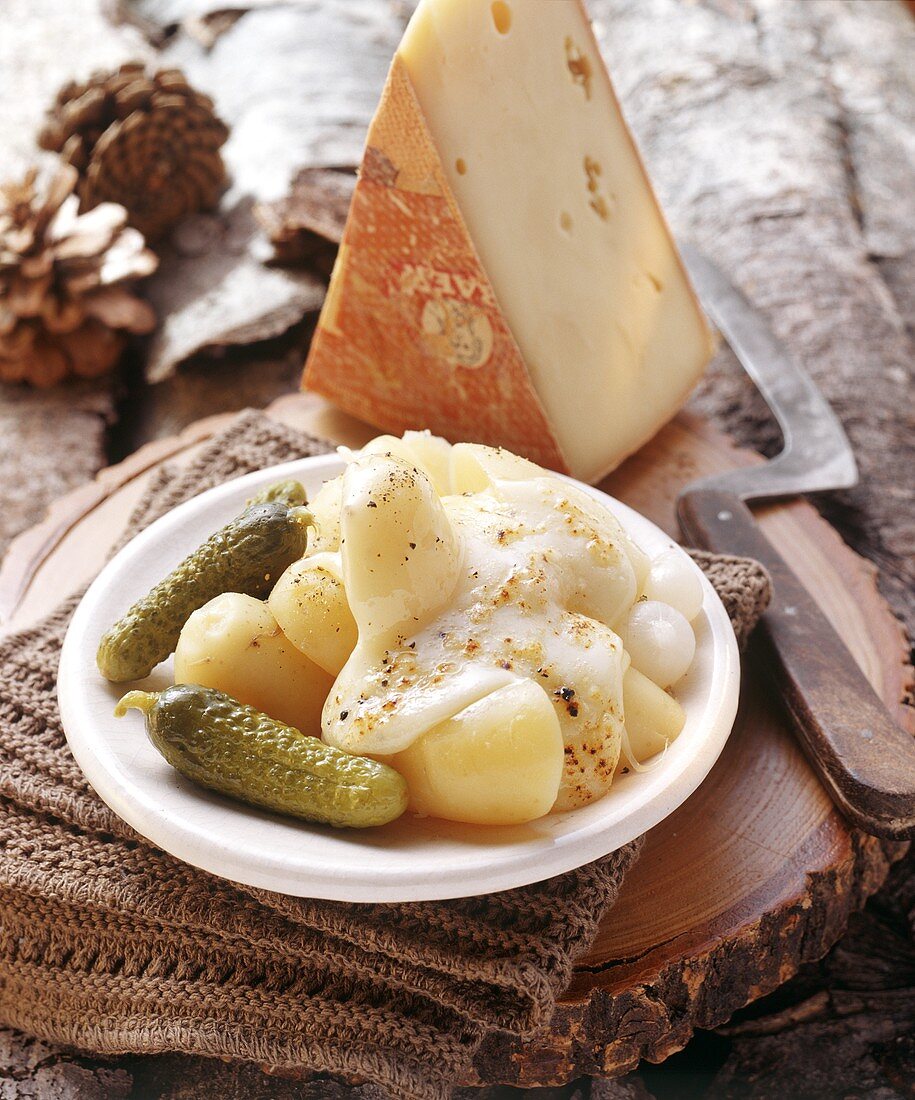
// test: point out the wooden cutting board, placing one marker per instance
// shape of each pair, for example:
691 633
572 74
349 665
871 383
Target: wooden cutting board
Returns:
753 876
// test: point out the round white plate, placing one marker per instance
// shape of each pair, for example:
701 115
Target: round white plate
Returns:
412 859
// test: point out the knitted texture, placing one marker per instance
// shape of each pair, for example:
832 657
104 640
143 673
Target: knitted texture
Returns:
742 584
110 945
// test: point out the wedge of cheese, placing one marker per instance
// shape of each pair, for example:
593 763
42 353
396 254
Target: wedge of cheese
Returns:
506 274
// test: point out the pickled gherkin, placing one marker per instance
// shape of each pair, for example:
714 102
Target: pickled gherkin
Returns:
248 555
287 492
229 747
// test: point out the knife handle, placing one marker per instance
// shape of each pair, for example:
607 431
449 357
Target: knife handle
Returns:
865 761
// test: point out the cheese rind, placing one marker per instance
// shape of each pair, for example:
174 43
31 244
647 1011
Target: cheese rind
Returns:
559 207
411 334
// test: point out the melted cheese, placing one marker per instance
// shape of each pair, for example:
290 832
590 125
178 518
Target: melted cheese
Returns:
458 597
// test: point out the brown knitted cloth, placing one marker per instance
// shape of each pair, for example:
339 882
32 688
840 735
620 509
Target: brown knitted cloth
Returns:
110 945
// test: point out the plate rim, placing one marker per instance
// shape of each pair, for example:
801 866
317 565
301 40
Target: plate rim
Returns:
330 883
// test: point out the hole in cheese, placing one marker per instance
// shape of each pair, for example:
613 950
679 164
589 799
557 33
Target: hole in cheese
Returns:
565 221
501 16
578 65
460 166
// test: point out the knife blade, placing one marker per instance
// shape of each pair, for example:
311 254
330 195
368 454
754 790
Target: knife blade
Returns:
865 761
817 454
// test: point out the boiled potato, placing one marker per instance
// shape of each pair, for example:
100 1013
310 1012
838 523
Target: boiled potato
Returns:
325 509
310 605
475 468
496 762
653 718
640 562
234 644
434 455
430 452
401 556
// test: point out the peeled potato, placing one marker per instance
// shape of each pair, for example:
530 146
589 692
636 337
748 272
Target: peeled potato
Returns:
430 452
497 762
401 555
640 563
652 717
475 467
234 644
434 455
310 605
325 508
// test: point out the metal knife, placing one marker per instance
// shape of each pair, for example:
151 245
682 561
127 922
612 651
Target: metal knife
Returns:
865 761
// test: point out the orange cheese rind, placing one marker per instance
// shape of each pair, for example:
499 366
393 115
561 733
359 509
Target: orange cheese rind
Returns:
411 334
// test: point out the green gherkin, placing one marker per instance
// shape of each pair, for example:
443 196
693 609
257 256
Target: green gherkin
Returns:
229 747
287 492
247 555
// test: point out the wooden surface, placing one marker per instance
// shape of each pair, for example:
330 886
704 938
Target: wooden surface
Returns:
755 875
853 743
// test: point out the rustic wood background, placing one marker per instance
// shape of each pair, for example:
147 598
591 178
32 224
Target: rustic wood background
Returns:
781 136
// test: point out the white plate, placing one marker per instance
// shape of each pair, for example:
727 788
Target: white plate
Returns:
412 859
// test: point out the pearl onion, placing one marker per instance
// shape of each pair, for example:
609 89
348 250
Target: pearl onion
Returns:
673 580
659 640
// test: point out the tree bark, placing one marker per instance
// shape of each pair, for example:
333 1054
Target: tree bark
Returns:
781 138
32 1070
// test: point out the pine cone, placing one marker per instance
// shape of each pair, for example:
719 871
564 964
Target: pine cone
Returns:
150 143
65 299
